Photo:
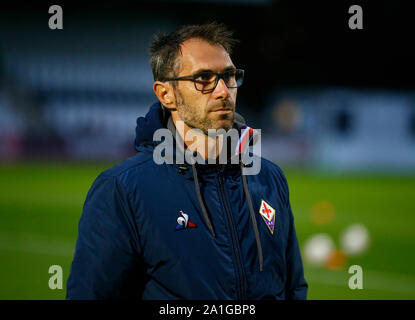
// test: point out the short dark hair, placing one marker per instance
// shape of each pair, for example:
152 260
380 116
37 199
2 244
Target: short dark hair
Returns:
165 48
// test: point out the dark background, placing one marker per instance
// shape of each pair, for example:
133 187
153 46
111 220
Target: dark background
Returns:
336 108
281 42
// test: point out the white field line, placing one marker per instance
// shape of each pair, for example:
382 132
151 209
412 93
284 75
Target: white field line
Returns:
372 280
33 243
375 280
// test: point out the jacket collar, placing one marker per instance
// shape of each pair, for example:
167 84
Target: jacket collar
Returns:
159 117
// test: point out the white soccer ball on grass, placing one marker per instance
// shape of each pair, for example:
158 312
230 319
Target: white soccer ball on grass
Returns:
355 239
317 249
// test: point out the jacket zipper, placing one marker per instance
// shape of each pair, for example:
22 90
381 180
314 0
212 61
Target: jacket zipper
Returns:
241 274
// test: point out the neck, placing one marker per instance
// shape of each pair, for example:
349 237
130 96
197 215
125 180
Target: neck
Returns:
196 140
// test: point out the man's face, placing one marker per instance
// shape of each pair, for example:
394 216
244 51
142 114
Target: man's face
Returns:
210 110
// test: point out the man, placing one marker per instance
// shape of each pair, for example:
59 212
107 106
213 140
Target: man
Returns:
191 230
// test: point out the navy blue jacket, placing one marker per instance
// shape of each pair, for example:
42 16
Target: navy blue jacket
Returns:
134 241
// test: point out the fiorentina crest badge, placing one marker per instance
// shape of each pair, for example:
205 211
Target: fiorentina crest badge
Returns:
268 214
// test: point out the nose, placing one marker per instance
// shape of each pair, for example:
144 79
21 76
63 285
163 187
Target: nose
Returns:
221 91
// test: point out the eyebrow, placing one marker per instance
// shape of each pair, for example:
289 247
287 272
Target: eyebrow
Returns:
209 70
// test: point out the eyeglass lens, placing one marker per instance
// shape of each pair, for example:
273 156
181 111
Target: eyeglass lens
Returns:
208 80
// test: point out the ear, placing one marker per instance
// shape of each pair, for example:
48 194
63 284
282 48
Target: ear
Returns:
165 94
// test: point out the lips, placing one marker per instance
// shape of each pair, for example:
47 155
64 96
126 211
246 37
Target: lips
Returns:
223 111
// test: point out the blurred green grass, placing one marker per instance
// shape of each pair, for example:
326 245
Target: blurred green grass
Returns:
41 202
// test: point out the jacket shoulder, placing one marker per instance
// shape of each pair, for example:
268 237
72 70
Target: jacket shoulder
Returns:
128 165
128 170
272 170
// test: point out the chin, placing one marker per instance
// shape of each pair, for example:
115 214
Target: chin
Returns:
226 126
226 122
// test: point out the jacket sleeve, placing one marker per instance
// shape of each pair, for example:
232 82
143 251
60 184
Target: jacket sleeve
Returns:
106 263
296 286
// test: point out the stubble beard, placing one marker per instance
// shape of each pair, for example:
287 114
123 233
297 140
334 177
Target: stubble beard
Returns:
192 118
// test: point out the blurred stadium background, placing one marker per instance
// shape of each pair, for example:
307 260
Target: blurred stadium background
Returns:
336 111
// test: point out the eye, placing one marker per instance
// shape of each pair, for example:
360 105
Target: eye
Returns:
229 73
205 77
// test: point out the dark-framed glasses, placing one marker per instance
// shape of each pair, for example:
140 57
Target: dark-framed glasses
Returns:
206 81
